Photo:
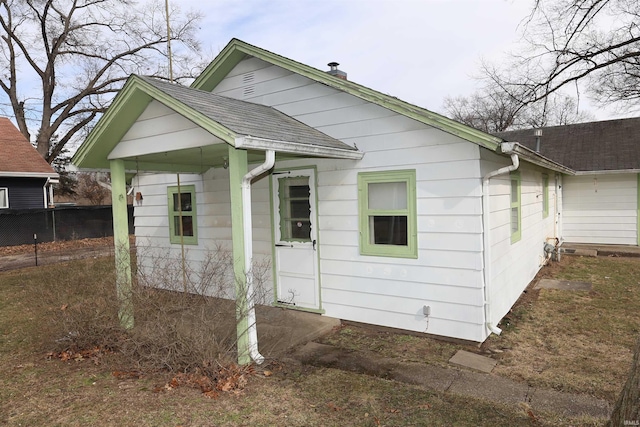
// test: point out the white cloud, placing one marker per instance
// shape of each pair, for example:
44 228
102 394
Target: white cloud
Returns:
418 50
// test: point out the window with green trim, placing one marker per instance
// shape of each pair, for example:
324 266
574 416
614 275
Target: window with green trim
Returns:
182 215
295 209
545 196
387 213
516 208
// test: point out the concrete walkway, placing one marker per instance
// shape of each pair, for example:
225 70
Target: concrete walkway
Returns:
583 249
461 382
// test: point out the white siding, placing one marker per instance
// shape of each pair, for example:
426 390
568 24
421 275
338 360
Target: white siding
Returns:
385 291
213 222
158 130
601 209
514 265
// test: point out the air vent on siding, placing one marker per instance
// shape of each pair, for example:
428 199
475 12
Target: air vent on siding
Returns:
248 91
248 77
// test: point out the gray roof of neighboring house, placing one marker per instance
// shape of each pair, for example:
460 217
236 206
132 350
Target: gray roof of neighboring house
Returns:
246 118
594 146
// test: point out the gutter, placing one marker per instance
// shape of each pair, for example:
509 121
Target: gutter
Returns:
270 160
507 148
29 174
254 143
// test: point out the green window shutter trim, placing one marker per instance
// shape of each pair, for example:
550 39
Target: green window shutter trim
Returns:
174 235
516 204
388 250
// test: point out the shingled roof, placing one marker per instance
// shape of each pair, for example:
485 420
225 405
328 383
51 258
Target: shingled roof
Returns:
611 145
247 118
17 156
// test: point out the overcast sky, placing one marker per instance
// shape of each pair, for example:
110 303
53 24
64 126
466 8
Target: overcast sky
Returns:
417 50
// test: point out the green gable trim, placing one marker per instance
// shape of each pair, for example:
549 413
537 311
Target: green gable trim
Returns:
130 102
237 50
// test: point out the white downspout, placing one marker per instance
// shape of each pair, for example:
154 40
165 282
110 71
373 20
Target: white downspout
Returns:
486 231
269 162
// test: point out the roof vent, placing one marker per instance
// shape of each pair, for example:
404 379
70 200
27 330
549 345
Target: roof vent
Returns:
538 134
335 72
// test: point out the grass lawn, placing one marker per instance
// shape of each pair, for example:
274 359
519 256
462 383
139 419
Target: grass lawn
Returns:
35 390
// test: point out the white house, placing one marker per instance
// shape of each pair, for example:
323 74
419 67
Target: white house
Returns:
368 208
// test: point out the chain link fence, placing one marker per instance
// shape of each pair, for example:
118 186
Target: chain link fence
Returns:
18 226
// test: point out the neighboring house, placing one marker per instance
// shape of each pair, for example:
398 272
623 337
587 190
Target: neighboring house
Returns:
25 177
601 202
369 208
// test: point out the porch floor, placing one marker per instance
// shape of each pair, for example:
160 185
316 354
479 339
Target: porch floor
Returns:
280 329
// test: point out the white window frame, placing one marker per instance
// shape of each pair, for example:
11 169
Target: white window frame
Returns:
4 198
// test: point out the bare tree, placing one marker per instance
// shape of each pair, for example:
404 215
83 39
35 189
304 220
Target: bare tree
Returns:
493 110
78 53
593 43
90 187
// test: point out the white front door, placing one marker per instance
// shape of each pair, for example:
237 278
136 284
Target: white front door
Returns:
294 218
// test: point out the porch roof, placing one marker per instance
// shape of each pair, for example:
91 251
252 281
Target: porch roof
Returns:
239 123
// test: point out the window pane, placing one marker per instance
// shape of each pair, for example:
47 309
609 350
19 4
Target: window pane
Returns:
514 191
185 201
388 230
299 190
300 209
514 220
387 195
300 230
187 225
3 197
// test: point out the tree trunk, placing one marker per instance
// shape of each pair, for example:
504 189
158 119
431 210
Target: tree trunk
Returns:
626 411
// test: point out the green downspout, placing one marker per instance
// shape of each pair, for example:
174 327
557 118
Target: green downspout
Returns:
121 242
238 166
638 212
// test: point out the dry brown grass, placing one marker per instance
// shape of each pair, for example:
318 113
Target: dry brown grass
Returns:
576 341
572 341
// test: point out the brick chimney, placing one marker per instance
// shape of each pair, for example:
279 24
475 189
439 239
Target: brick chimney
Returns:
335 72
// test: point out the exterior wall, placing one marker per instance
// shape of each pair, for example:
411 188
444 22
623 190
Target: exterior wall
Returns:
447 276
514 265
601 209
213 229
24 193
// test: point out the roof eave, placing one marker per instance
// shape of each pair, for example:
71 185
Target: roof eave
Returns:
608 172
262 144
29 174
130 102
236 50
534 158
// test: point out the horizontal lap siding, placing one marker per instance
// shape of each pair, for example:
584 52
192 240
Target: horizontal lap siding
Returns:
213 221
380 290
601 209
514 265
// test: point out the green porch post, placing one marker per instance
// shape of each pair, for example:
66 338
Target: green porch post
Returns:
238 167
121 242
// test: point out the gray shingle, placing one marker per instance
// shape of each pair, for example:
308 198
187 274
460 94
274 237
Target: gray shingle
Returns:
593 146
247 118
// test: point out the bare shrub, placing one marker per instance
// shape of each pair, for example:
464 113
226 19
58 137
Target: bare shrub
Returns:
173 329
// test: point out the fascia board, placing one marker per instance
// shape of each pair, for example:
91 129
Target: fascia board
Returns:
532 157
251 143
111 127
124 111
236 50
609 172
29 174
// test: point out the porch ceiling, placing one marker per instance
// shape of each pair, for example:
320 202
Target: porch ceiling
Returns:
191 160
